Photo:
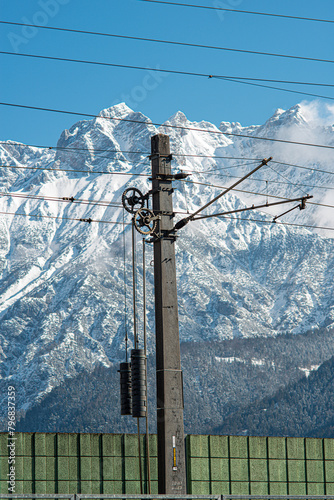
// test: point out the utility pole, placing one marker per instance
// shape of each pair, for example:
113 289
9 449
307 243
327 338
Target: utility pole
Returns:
170 426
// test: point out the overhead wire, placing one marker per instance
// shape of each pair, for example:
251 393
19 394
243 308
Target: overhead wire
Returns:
272 181
172 42
166 125
306 226
306 168
125 294
176 72
288 180
183 155
91 172
107 203
121 223
146 153
239 11
223 168
273 88
64 199
88 220
245 191
118 205
70 148
192 171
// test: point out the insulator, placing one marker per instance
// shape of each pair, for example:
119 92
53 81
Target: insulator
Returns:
181 175
138 382
126 390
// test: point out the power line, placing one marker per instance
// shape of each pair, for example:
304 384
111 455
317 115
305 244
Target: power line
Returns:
284 16
252 192
306 168
91 172
65 148
69 149
313 169
194 172
147 175
273 181
165 125
89 220
273 88
184 44
64 199
290 182
121 223
169 71
306 226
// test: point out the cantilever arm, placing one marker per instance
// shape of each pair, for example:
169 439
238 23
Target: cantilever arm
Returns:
265 205
185 221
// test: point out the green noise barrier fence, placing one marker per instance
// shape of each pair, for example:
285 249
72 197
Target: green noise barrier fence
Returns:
216 465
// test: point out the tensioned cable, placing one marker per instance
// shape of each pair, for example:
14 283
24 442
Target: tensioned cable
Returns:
69 148
147 154
262 180
223 168
121 223
119 205
160 70
165 125
65 199
186 170
252 192
288 181
88 220
125 294
273 181
285 16
272 88
277 162
306 168
91 172
307 226
185 44
175 72
193 172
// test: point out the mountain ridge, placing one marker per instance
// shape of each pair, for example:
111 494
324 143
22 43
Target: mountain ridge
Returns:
62 281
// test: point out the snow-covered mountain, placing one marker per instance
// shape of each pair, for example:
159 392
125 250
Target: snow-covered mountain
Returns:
62 280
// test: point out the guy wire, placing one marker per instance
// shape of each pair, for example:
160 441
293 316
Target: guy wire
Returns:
145 352
139 457
125 296
134 285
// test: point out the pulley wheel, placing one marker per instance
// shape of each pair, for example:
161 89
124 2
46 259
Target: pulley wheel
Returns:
145 221
132 200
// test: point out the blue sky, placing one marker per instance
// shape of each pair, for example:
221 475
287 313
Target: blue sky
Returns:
84 88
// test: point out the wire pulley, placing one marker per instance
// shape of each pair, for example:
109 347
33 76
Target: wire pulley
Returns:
145 221
133 200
